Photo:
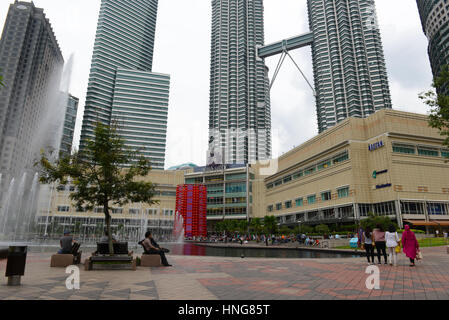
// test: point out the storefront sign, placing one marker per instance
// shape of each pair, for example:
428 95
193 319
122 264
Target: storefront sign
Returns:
381 186
376 145
376 173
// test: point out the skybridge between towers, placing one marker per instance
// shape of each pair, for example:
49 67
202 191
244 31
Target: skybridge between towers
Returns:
283 47
279 47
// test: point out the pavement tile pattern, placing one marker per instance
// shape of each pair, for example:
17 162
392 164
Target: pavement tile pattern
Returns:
218 278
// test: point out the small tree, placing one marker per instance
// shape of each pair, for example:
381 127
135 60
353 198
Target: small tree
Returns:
439 103
1 80
256 225
373 220
104 173
270 224
322 229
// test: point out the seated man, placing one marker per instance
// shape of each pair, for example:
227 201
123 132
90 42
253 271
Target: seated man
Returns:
66 243
151 247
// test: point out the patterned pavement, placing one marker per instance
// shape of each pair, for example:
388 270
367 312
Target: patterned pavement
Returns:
218 278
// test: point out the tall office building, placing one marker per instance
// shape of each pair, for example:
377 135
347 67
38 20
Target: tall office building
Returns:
239 115
69 125
348 60
122 87
32 63
435 22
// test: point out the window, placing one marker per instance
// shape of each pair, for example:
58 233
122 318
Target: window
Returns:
343 192
445 153
341 158
311 199
152 212
99 210
270 208
279 206
326 196
428 152
287 179
278 183
309 171
324 165
300 173
63 208
406 149
134 211
288 204
299 202
117 210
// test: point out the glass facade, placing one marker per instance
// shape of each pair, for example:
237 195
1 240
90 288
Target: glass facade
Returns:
348 60
122 88
239 107
435 22
69 125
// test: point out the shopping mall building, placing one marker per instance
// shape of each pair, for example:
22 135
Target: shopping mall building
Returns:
391 163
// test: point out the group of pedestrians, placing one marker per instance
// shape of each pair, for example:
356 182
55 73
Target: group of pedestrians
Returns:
389 242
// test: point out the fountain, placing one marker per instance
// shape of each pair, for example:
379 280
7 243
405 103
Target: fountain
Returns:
178 228
20 188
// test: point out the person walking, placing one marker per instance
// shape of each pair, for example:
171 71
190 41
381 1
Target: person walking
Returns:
379 240
367 241
410 244
392 241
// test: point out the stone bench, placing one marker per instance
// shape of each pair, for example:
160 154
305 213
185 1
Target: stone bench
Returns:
150 260
63 260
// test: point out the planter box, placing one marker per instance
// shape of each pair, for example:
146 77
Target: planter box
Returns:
119 262
150 260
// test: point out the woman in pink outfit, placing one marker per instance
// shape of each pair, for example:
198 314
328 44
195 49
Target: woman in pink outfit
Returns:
410 244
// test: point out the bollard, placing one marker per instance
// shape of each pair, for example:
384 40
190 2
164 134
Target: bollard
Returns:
15 267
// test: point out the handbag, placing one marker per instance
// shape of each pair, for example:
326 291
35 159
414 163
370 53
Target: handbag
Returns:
398 248
419 255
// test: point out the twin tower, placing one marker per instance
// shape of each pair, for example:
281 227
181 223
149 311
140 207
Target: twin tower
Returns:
348 62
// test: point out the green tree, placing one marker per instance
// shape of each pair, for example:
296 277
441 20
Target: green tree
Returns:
285 230
438 101
322 229
256 225
242 226
105 173
1 80
270 224
373 220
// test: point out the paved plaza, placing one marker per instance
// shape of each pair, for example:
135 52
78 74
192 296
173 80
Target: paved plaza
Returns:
219 278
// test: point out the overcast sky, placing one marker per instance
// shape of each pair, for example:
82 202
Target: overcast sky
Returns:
182 49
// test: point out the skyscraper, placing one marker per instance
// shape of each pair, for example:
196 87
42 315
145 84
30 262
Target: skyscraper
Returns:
239 109
122 87
348 60
435 22
69 125
32 63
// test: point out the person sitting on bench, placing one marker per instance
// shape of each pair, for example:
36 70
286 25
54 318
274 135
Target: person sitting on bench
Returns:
66 243
151 247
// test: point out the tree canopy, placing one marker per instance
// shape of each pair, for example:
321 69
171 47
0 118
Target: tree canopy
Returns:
438 101
104 173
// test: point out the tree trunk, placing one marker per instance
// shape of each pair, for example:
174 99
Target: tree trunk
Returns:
108 228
